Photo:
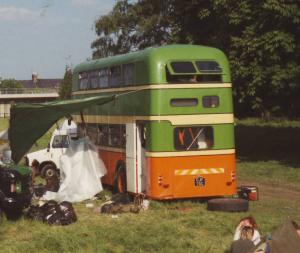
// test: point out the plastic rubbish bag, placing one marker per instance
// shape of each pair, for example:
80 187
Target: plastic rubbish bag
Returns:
53 213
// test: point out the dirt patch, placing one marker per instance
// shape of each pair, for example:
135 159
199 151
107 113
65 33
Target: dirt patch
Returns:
272 191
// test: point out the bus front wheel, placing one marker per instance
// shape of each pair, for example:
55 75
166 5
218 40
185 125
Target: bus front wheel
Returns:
119 182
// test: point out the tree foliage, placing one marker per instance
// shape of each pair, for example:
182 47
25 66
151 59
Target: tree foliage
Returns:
65 87
261 39
10 83
131 26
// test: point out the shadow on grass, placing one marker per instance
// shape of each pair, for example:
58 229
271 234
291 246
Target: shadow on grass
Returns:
264 143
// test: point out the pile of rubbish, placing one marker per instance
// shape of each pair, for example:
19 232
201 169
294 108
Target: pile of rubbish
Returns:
53 213
78 179
15 190
16 195
123 203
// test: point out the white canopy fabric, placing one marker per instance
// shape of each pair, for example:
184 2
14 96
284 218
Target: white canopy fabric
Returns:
81 170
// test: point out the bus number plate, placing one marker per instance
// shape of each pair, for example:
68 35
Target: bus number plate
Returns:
199 181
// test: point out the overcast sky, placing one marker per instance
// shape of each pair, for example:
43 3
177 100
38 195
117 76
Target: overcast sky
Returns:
44 36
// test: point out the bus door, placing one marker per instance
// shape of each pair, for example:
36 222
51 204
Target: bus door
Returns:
135 155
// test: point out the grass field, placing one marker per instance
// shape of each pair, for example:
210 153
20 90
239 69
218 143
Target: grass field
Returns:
267 155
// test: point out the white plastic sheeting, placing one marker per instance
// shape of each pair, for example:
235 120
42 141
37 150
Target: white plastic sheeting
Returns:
81 170
5 153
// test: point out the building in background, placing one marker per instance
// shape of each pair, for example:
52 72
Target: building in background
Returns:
33 91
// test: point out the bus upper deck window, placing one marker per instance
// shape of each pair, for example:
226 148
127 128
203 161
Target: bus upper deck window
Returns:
208 66
183 67
128 74
94 79
115 76
209 78
83 80
103 77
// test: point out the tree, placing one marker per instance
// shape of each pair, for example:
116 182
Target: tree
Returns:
65 87
264 53
10 83
132 26
261 39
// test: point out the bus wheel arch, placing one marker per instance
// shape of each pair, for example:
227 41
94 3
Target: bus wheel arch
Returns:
119 179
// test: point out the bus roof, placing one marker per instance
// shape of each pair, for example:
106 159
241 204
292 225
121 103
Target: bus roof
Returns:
161 54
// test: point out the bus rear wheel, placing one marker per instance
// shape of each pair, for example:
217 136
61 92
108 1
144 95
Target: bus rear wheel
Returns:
119 182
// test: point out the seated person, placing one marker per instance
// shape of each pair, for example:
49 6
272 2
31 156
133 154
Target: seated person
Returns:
244 244
250 222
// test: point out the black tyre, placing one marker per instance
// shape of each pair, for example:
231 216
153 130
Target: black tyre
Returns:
228 205
119 183
48 171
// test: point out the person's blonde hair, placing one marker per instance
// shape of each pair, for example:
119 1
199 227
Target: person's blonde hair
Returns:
247 233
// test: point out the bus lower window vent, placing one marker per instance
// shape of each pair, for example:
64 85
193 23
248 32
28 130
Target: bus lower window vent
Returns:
161 183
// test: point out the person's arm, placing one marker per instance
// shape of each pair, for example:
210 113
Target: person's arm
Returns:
237 233
256 237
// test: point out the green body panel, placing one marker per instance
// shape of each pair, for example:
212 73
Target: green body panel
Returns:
150 64
160 136
157 102
160 101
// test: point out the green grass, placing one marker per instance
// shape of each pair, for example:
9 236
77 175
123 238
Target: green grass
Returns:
163 228
270 172
267 154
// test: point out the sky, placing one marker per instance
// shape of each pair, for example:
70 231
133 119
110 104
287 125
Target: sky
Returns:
44 36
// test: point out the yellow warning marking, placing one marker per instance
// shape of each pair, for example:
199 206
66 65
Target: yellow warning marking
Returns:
199 171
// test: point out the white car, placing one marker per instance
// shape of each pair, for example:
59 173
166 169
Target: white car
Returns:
49 157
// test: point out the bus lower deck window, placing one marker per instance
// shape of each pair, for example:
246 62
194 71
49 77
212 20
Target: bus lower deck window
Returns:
193 138
112 135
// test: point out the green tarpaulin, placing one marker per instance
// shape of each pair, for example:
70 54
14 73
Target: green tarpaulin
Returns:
28 122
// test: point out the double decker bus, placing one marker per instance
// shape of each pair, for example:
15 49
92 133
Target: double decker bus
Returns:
169 133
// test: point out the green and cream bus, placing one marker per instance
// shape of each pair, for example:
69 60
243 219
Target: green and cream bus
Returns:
169 132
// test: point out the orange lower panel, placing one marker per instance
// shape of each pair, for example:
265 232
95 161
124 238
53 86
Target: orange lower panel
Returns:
110 160
189 177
